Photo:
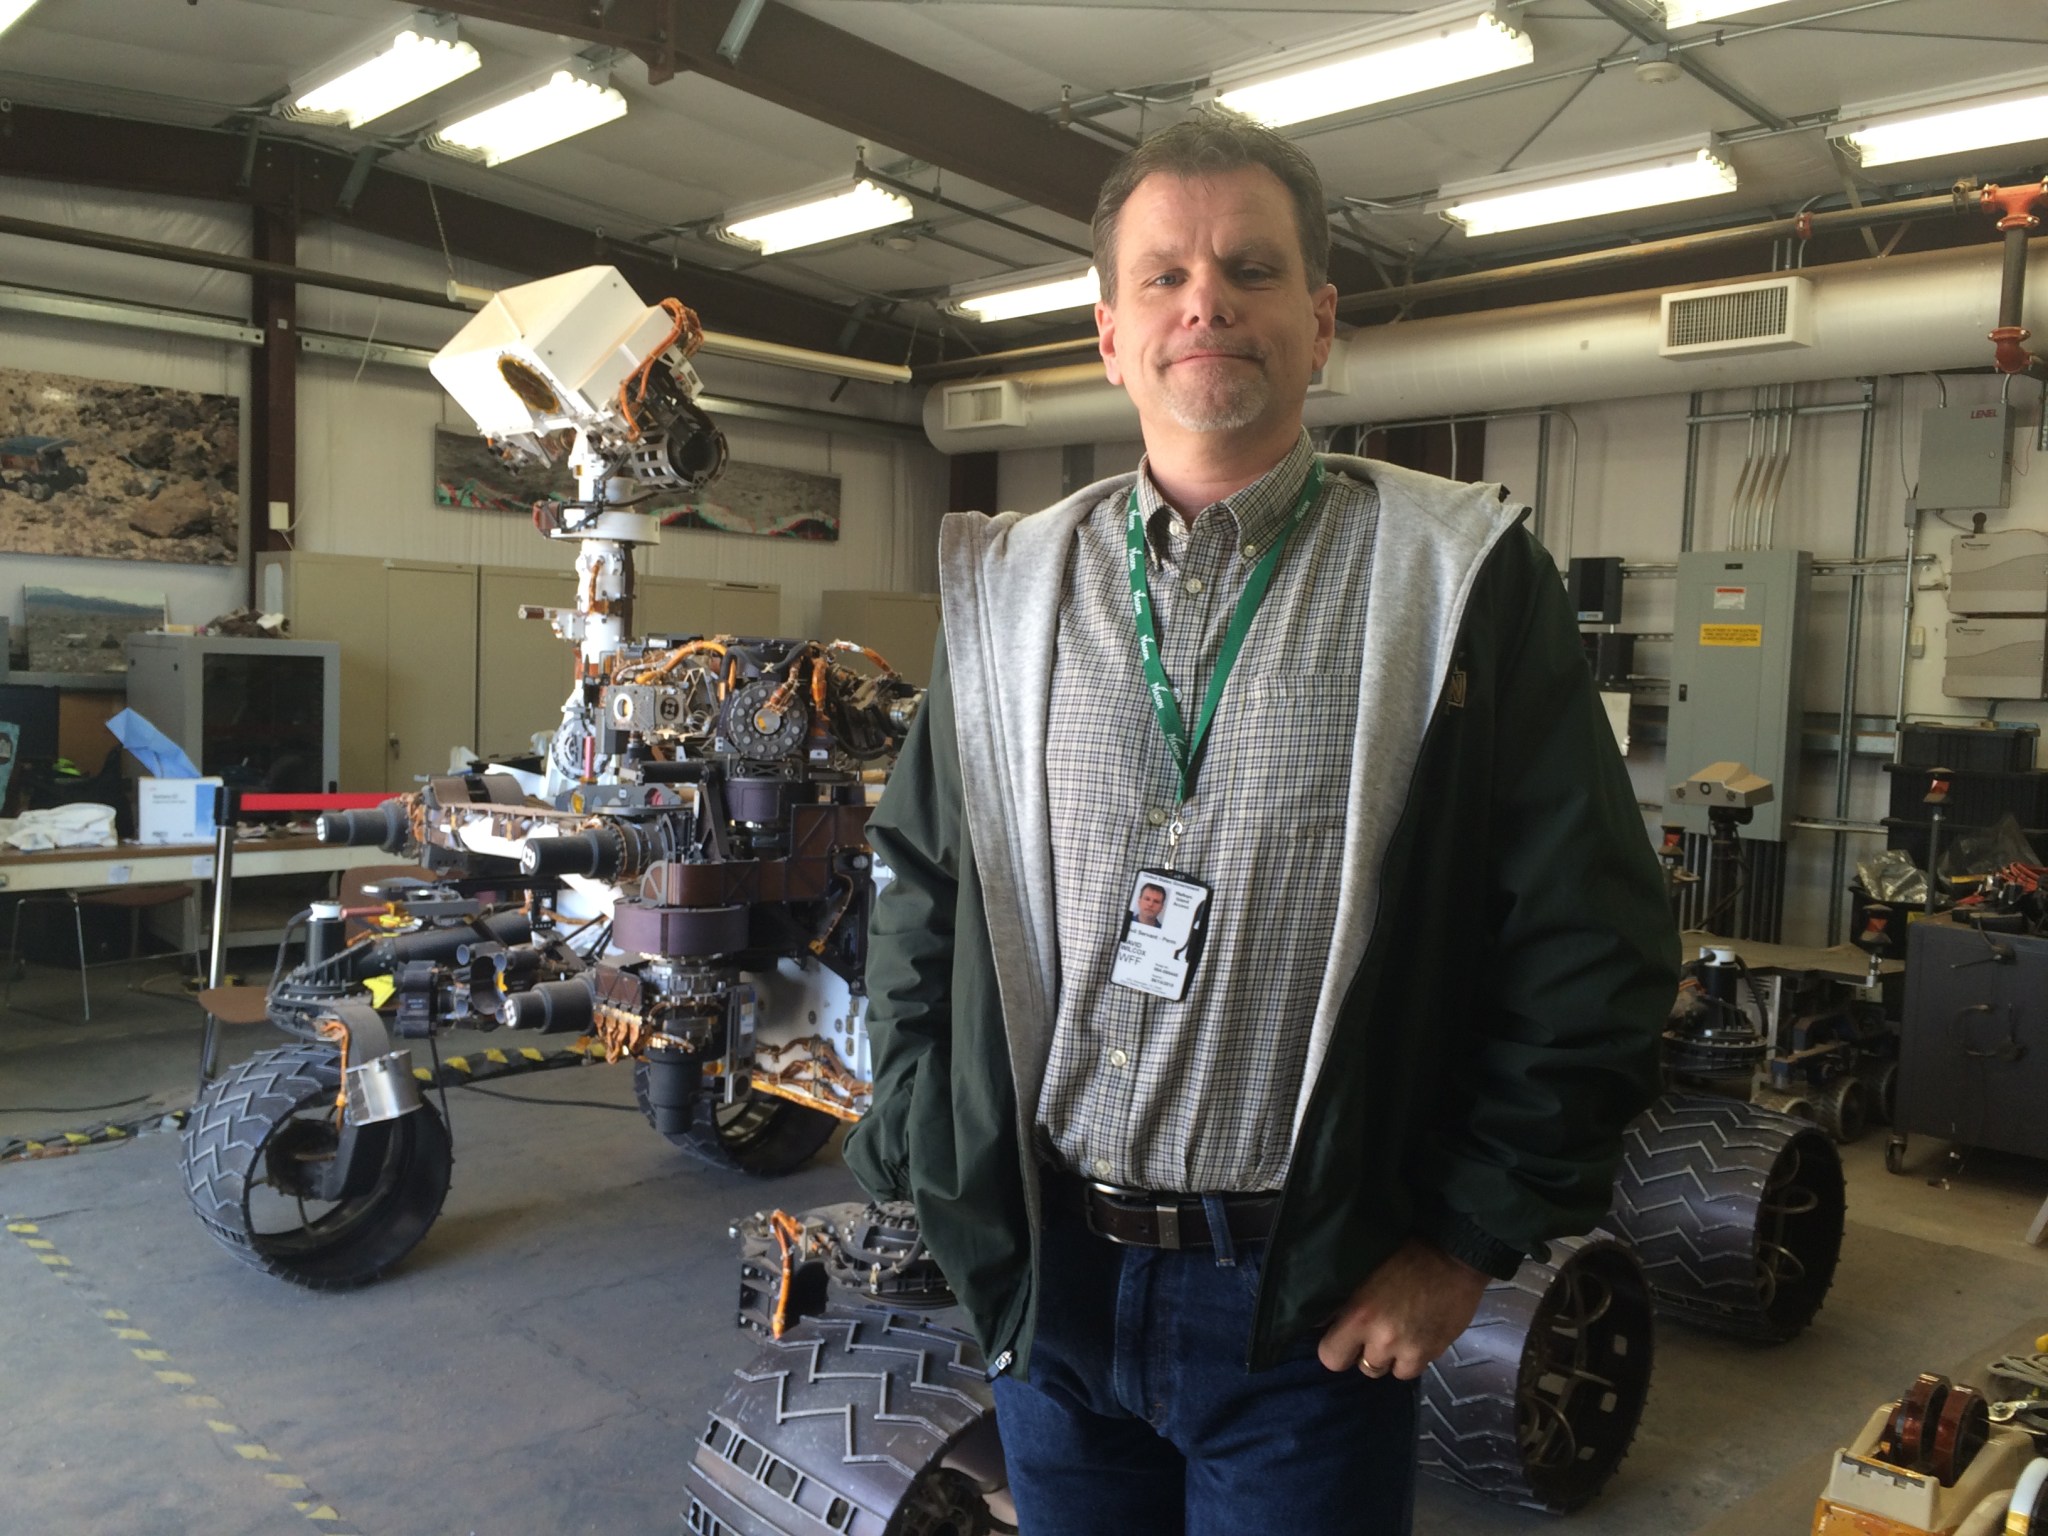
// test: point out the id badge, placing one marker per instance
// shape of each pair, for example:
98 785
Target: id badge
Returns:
1166 923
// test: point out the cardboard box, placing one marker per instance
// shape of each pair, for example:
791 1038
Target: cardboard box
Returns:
175 810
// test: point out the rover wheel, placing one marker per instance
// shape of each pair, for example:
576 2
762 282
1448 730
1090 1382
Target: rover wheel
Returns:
760 1134
267 1117
1778 1102
1736 1213
1842 1109
859 1419
1537 1402
943 1502
1881 1080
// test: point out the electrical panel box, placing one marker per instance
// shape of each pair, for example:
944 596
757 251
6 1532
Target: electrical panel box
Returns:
1735 650
1997 659
1594 582
2004 572
1963 457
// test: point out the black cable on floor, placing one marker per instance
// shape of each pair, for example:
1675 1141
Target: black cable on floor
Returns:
520 1098
68 1109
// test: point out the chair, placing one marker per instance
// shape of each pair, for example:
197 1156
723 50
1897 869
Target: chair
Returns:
134 899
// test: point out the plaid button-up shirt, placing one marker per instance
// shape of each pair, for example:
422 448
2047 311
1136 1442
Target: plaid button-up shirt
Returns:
1199 1095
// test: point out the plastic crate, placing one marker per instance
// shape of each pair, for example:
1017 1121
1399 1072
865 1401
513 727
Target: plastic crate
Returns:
1974 798
1984 748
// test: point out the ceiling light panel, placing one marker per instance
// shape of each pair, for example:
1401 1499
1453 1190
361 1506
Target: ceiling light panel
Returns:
572 99
2009 109
1023 295
817 218
1587 189
1416 54
421 55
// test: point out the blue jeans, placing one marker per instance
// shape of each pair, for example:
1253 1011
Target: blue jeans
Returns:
1140 1418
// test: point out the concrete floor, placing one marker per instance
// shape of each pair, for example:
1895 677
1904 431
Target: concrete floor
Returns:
545 1360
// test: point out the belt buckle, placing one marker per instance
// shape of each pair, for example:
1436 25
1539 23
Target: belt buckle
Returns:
1088 1210
1168 1218
1165 1217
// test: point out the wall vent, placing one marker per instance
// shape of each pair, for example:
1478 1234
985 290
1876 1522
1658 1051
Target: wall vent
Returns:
985 403
1744 317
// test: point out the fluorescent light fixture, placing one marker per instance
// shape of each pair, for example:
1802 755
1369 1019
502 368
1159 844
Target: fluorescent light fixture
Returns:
1023 295
12 11
1416 53
1586 189
421 54
1683 13
574 98
816 218
2009 109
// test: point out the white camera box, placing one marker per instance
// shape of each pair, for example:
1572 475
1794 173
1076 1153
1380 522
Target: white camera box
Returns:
175 810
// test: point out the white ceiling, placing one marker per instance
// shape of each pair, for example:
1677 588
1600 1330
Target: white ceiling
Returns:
692 147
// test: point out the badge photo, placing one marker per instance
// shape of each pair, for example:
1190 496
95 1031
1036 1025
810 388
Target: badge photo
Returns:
1165 925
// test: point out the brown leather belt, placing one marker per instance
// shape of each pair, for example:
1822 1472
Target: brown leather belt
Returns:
1141 1219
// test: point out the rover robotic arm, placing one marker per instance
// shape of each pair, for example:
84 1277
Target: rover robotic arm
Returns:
577 369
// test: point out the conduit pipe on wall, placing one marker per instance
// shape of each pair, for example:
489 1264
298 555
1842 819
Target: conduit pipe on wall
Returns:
1898 314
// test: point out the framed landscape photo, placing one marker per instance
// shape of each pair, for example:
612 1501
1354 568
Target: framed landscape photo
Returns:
118 471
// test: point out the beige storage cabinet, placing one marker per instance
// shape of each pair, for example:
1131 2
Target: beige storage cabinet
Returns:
682 605
903 627
407 630
523 669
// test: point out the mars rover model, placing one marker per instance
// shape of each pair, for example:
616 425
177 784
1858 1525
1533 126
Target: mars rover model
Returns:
686 884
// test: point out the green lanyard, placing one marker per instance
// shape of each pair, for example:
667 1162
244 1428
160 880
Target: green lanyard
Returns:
1186 750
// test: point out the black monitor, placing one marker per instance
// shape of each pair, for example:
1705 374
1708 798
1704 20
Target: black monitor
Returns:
33 708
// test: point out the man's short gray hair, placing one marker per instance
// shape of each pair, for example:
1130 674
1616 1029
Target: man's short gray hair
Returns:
1215 141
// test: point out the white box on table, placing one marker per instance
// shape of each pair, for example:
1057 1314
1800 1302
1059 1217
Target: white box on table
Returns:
175 810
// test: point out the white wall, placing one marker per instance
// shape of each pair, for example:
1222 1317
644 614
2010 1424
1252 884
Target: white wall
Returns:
31 343
1028 479
1625 499
365 471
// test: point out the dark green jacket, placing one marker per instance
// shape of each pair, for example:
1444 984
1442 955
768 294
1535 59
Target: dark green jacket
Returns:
1504 959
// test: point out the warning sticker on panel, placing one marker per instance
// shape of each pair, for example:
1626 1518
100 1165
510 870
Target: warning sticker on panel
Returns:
1732 634
1726 598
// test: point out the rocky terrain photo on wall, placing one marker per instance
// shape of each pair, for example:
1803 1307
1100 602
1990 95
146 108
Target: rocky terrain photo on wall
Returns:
757 499
81 629
118 471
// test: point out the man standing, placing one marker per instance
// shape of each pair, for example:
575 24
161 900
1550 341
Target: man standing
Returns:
1210 1220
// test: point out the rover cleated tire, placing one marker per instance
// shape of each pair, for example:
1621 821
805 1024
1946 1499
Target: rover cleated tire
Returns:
1778 1102
1735 1211
254 1121
1881 1081
761 1134
1538 1401
1842 1109
862 1420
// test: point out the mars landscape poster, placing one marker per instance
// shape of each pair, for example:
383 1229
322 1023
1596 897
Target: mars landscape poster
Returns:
118 471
